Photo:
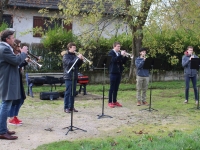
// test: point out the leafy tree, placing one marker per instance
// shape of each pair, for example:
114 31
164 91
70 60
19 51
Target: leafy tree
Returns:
97 15
3 26
56 40
173 27
167 27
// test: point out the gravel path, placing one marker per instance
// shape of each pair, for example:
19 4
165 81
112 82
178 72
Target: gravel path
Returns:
44 123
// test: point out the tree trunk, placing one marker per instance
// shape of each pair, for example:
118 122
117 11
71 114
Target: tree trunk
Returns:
137 34
136 45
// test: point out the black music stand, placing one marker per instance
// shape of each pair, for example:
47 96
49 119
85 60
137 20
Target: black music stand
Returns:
71 126
103 64
195 64
151 63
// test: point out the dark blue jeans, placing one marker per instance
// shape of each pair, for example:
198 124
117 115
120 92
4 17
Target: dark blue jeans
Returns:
114 86
14 110
69 96
4 110
187 86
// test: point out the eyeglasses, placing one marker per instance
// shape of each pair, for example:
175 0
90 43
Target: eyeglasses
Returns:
16 44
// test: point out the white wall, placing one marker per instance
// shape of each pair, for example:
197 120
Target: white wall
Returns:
109 30
23 22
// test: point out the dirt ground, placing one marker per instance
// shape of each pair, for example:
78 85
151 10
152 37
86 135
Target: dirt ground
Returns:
43 122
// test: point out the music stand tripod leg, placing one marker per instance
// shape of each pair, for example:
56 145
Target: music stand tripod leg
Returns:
70 128
150 109
102 115
198 98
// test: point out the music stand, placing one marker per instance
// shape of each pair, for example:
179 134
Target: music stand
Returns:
71 126
151 63
195 64
103 63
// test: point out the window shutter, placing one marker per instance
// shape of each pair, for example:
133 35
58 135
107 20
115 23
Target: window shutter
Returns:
38 22
67 27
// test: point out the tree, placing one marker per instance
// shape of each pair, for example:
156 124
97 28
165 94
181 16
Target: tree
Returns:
168 25
98 14
173 27
3 4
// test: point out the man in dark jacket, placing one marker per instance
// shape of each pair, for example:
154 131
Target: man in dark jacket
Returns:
9 80
115 71
190 74
142 78
71 77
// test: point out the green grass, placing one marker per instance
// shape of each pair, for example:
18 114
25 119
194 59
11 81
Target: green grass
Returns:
175 140
176 126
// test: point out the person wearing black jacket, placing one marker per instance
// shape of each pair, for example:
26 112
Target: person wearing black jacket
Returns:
16 105
71 78
190 74
115 72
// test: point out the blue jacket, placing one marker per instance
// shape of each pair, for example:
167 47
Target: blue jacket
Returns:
68 61
139 62
186 64
116 63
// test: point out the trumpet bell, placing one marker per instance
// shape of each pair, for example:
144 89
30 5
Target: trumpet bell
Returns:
35 63
40 66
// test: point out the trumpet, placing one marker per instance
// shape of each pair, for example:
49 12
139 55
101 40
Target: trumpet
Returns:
128 54
37 58
84 58
33 61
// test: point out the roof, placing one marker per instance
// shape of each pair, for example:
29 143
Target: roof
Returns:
51 4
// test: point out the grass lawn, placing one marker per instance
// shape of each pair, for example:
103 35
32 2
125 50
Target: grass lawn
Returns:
177 126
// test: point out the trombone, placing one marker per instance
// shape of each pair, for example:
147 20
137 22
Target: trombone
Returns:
84 58
128 54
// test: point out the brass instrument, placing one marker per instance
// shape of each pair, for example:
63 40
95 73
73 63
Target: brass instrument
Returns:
37 58
33 61
128 55
84 58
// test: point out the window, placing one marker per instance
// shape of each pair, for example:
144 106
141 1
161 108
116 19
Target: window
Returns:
45 23
37 23
8 19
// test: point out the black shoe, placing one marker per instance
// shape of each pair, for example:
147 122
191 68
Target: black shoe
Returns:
67 110
74 110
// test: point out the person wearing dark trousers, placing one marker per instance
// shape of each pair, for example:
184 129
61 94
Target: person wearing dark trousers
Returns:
118 59
9 80
16 105
69 58
190 74
142 78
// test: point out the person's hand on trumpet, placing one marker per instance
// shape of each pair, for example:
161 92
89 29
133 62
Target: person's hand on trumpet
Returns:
24 49
123 53
27 59
80 56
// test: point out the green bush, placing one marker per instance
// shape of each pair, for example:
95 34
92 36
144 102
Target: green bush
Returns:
3 26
